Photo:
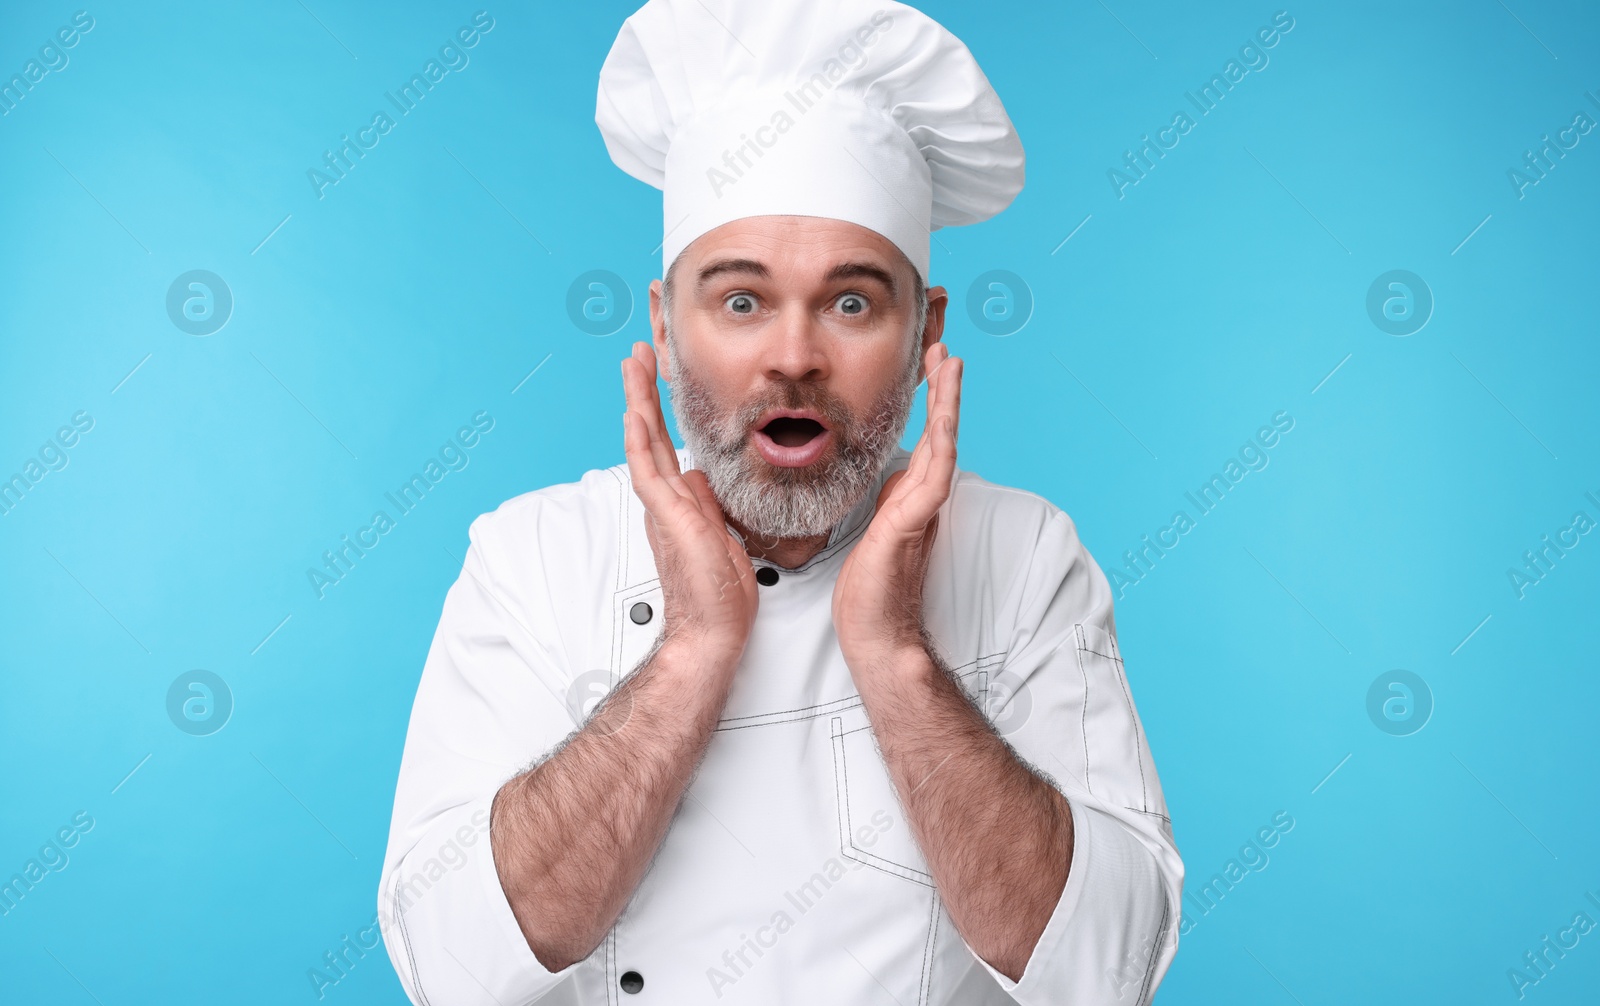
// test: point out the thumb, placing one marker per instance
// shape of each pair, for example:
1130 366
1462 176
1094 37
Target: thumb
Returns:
888 488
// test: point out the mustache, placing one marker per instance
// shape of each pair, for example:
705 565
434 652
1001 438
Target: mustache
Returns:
791 395
731 430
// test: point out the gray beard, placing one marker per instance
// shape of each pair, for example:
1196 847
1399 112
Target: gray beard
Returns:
777 502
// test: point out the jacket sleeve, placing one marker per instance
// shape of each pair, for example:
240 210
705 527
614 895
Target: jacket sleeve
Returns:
491 701
1065 707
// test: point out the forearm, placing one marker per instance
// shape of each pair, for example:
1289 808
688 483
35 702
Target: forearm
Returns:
998 839
573 836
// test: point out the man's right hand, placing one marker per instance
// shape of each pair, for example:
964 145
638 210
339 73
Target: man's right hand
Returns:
708 585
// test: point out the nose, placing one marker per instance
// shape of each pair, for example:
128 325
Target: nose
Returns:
796 347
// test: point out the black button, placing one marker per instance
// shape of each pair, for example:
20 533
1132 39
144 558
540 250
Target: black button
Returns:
632 982
766 576
640 612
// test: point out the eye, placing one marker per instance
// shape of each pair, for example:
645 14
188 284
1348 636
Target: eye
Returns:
851 304
741 303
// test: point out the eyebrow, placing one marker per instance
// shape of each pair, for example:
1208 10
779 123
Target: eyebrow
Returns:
844 270
746 266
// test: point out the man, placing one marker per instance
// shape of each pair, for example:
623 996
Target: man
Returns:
862 731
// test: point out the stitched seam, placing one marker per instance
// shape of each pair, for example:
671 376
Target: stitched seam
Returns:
622 522
827 553
844 703
1138 739
1155 951
1141 810
622 564
833 705
840 796
1138 728
405 936
611 966
927 951
1084 719
890 867
616 646
847 846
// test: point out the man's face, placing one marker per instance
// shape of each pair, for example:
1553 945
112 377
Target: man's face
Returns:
793 353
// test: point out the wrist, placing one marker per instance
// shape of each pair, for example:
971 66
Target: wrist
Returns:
904 649
699 652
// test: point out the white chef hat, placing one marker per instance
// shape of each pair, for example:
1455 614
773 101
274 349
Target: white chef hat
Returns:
860 110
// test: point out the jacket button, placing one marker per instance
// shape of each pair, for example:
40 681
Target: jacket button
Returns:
766 576
632 982
640 613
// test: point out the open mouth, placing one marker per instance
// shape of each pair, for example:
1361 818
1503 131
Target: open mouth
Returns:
792 431
792 441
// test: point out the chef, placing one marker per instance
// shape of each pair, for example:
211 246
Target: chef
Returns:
788 714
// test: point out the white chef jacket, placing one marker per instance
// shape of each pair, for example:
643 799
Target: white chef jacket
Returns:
789 873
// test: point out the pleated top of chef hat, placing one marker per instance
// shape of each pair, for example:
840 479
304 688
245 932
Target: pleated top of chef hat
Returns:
866 111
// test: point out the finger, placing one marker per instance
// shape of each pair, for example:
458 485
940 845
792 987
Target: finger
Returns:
933 362
646 403
937 357
941 461
738 558
639 399
639 385
651 487
918 499
635 386
930 364
942 465
950 395
945 404
930 475
661 443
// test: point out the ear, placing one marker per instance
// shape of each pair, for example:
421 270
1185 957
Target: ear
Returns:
658 332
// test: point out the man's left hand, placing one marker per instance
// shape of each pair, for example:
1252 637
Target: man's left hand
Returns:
877 599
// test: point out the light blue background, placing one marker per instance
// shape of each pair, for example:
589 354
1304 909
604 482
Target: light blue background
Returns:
1225 286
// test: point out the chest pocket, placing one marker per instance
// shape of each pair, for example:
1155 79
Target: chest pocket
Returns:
873 827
